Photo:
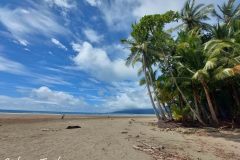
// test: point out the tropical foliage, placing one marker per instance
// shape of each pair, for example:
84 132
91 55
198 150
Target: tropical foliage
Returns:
191 73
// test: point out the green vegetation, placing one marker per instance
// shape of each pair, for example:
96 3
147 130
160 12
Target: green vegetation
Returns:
192 71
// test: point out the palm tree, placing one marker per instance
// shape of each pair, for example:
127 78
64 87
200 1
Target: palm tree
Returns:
222 53
229 12
138 55
198 68
193 15
191 62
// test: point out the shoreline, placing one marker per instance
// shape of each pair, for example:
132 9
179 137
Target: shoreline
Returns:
32 117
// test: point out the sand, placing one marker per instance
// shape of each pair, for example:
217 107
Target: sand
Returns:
34 137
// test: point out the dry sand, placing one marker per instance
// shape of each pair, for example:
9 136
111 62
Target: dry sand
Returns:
104 138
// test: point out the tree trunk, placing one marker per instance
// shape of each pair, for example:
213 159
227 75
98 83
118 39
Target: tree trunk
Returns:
235 95
196 103
168 111
185 100
149 91
195 96
155 93
210 105
236 98
180 101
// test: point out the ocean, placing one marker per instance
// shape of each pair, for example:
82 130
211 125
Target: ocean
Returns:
4 111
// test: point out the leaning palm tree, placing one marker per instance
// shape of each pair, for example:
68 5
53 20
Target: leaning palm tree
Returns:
138 54
152 79
193 15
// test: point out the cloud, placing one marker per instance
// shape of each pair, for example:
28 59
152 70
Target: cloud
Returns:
48 80
43 98
92 35
56 97
9 66
24 23
59 44
120 14
127 95
117 13
96 62
66 4
161 6
13 67
94 2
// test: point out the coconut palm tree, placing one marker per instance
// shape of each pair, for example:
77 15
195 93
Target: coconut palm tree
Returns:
229 12
191 62
222 54
138 54
193 15
196 67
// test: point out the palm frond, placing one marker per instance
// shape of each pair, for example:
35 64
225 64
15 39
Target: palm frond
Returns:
210 64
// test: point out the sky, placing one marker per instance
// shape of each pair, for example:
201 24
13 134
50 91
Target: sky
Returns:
66 55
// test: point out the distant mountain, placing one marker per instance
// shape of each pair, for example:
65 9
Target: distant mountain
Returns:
135 111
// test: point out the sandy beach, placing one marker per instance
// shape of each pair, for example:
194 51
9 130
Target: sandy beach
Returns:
38 137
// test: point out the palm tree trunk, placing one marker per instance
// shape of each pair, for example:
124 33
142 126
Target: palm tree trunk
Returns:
148 88
195 97
196 103
168 111
235 95
155 93
210 105
180 101
185 100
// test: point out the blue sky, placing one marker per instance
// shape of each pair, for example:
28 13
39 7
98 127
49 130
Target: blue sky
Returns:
66 55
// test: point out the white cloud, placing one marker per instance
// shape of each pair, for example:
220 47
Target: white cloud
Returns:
59 44
117 13
9 66
92 35
127 95
48 80
67 4
96 62
56 97
94 2
13 67
120 14
44 98
25 23
161 6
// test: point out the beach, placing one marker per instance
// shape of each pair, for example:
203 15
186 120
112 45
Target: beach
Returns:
35 137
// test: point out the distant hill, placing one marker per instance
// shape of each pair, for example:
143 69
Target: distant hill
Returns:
135 111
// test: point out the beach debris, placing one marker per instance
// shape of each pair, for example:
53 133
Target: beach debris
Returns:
73 127
157 152
124 132
50 129
46 129
137 136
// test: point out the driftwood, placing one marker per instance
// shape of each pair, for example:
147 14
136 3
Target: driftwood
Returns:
124 132
157 152
73 127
